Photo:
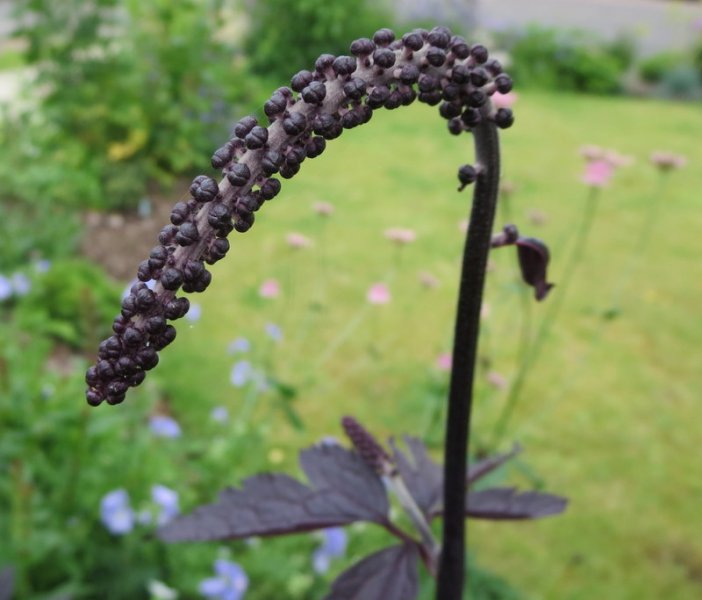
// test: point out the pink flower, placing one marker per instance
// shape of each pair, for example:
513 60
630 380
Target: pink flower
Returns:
496 380
463 226
400 236
536 217
598 173
618 160
323 209
269 289
378 293
591 152
485 310
667 161
298 241
428 280
504 100
444 361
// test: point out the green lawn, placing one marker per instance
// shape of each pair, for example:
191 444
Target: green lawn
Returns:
610 416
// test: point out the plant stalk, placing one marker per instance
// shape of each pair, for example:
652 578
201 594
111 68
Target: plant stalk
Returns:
465 349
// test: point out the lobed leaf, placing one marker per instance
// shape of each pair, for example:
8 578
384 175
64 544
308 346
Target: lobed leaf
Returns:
509 504
488 465
422 476
389 574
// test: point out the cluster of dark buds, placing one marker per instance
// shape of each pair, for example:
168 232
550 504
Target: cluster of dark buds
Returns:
533 258
348 486
340 92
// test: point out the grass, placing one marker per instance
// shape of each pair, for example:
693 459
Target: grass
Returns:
610 414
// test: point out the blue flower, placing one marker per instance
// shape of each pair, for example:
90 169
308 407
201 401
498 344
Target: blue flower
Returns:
239 346
42 265
333 546
116 513
220 414
241 373
164 426
194 313
21 284
6 290
274 332
167 501
230 583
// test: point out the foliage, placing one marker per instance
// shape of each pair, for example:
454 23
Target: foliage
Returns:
131 92
285 37
654 68
567 60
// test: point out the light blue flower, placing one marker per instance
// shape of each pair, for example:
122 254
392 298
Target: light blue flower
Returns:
167 501
164 426
6 289
220 414
21 284
115 512
230 582
194 313
274 332
241 373
42 265
239 346
333 546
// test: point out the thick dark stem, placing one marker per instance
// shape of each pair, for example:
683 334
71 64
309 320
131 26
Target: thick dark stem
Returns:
465 348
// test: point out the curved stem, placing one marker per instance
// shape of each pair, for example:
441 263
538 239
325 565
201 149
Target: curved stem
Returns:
465 346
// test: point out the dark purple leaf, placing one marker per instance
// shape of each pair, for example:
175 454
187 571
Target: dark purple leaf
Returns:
7 583
344 490
390 574
533 260
422 476
509 504
489 464
358 490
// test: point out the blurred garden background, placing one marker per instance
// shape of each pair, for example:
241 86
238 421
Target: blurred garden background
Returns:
341 300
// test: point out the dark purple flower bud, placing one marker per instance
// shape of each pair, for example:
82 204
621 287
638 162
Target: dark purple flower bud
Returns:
129 307
159 253
503 83
105 370
367 446
466 175
271 187
136 378
145 299
287 171
314 93
394 100
116 389
439 37
428 83
296 153
362 47
344 65
294 123
449 110
413 41
244 222
409 74
384 58
256 138
244 126
479 77
147 358
451 92
114 400
125 366
479 53
219 215
455 126
132 337
504 118
383 37
275 105
477 98
471 117
459 47
144 271
355 88
301 80
180 213
155 324
119 323
436 57
324 62
271 161
533 261
378 95
460 74
248 203
162 340
201 283
494 67
111 347
93 397
238 175
217 250
167 234
176 308
408 95
92 378
193 270
222 156
322 122
206 190
315 146
171 278
431 98
350 120
187 234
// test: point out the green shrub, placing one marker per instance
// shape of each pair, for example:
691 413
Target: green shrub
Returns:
285 36
654 68
573 61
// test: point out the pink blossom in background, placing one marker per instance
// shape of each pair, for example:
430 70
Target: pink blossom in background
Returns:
400 235
616 159
497 380
428 280
507 188
667 161
536 217
270 288
378 293
598 173
591 152
485 310
504 100
444 361
463 226
298 241
323 209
